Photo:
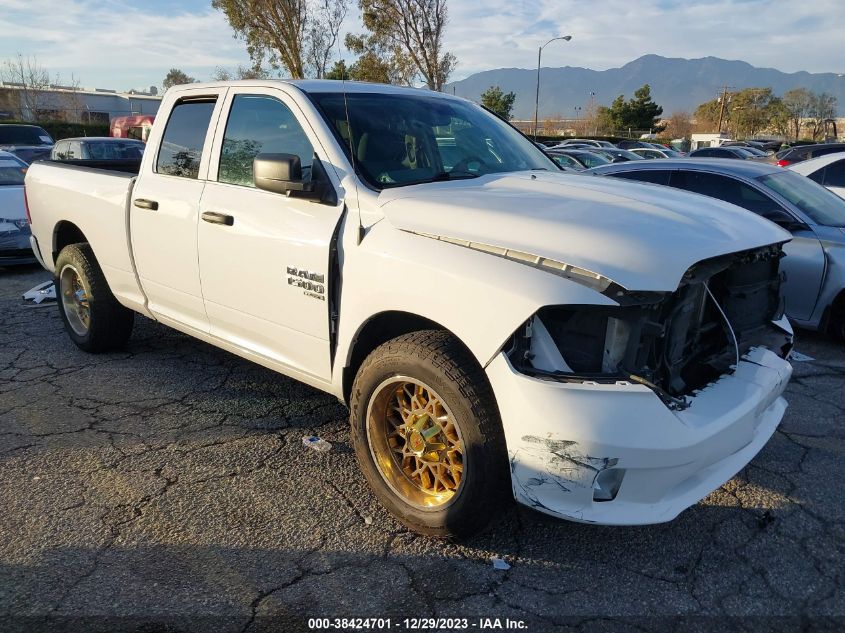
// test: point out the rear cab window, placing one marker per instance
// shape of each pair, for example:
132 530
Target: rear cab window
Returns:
182 144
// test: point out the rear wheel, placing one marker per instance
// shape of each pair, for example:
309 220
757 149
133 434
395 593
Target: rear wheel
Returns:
93 318
427 434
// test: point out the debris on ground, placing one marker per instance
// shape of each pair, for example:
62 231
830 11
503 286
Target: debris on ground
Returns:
798 357
42 294
315 443
500 564
368 520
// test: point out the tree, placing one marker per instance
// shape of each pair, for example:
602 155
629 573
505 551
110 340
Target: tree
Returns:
679 125
638 113
751 110
498 102
323 33
408 36
797 103
29 77
822 108
378 62
745 113
176 77
241 72
296 35
642 112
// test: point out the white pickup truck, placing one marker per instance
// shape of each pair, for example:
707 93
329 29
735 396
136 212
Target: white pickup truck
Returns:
613 350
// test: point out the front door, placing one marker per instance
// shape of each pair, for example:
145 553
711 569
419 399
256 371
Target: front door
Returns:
265 267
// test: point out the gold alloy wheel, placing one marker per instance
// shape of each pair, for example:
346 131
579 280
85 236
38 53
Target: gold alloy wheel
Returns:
415 443
75 300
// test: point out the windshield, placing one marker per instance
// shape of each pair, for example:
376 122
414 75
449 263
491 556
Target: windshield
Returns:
819 204
23 135
11 172
402 139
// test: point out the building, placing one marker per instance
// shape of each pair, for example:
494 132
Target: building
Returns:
75 105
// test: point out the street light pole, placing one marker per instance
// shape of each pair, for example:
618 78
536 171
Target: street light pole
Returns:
537 95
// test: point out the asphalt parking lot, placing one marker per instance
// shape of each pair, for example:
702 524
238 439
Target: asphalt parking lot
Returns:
166 488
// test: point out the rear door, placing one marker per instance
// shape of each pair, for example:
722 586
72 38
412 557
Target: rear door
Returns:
265 269
804 263
165 209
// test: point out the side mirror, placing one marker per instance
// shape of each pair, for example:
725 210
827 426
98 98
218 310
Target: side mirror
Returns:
279 173
282 173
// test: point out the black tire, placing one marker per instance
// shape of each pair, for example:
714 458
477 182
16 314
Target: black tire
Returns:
109 324
441 362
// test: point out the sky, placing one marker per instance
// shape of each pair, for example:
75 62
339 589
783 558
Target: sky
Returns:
123 44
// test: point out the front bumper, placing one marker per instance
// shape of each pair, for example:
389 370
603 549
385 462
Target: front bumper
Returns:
560 436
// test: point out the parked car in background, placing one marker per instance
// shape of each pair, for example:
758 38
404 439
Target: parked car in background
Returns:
102 148
756 152
27 142
631 144
578 158
614 154
585 141
137 126
828 171
798 153
752 145
722 152
14 225
814 288
664 152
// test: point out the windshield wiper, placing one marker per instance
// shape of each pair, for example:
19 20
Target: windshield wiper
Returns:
451 175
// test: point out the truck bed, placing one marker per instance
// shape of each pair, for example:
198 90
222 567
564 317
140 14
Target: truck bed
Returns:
93 200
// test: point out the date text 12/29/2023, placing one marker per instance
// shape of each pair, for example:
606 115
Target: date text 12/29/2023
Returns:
417 624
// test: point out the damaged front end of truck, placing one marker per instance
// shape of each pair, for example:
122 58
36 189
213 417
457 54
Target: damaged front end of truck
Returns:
658 399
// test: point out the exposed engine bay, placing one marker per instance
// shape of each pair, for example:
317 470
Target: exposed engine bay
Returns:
676 343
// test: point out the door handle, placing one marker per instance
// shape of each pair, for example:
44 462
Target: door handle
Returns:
218 218
152 205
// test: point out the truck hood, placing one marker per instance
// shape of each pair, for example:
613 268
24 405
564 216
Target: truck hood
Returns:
641 236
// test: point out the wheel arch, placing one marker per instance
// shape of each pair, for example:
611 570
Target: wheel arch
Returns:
378 329
65 233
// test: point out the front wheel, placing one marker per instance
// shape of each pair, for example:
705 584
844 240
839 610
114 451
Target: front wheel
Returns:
93 318
428 436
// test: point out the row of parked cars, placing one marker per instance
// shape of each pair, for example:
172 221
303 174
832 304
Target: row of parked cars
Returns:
21 145
814 269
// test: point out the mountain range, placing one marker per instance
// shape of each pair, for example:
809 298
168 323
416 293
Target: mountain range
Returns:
676 84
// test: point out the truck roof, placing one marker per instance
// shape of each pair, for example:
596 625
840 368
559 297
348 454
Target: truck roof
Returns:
322 85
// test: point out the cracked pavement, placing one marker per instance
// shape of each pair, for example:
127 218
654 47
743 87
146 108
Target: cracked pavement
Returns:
166 488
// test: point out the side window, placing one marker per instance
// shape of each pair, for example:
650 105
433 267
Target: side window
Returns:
654 176
260 125
61 150
818 175
74 150
181 147
834 175
724 188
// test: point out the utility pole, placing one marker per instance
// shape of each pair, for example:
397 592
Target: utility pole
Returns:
724 100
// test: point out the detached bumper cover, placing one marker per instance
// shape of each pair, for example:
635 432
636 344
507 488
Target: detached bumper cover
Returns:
560 436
